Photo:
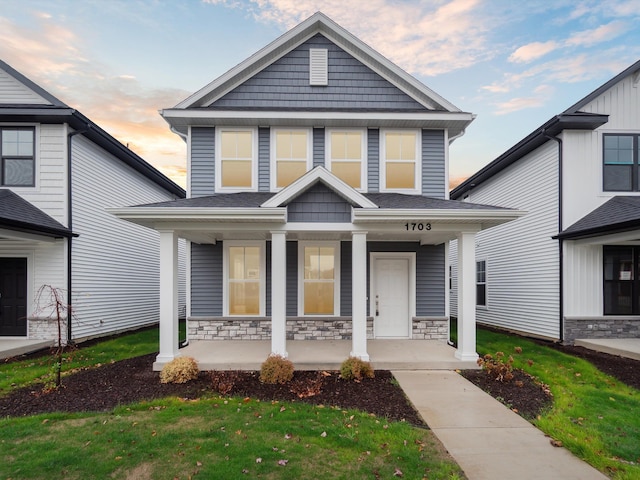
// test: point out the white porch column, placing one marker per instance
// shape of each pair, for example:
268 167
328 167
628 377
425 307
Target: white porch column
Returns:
278 293
359 296
168 296
466 297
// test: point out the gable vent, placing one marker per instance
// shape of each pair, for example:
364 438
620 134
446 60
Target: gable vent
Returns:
318 66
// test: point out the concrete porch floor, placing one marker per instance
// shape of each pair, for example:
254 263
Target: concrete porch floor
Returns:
324 354
12 347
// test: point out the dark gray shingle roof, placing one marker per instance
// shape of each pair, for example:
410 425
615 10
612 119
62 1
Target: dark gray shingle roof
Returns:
618 214
19 215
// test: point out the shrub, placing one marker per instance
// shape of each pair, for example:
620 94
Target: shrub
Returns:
276 369
223 382
179 370
496 367
354 368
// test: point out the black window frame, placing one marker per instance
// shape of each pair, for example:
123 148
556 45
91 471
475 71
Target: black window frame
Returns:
481 283
632 284
635 166
4 158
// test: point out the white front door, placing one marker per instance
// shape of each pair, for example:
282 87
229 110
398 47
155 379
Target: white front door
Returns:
391 306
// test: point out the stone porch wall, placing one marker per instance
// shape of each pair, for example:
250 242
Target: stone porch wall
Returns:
601 327
301 328
46 329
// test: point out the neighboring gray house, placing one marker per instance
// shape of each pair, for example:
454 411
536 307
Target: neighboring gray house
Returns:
570 268
317 201
59 172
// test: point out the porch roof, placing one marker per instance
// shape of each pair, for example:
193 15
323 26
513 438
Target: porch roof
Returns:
618 214
18 215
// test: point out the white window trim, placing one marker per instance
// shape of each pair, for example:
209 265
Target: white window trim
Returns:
254 160
272 154
225 275
336 280
486 283
363 150
418 164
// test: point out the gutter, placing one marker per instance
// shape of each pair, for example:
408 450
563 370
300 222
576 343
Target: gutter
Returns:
560 239
70 227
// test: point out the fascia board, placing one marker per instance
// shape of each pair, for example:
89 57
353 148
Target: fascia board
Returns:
480 216
223 214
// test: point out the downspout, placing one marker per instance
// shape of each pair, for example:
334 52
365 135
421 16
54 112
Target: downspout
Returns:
560 240
70 227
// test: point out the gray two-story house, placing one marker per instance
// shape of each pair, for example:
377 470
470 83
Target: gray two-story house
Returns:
317 201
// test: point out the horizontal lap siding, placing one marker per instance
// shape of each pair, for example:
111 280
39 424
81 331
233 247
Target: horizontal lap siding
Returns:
14 92
115 263
433 163
318 147
206 280
521 256
285 84
320 205
346 279
373 159
292 279
264 165
202 168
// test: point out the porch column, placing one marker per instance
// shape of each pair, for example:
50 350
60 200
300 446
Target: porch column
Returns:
278 293
466 297
359 295
168 296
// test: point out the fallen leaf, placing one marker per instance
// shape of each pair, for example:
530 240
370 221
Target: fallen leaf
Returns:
555 443
287 436
258 460
198 464
283 463
398 473
282 409
323 434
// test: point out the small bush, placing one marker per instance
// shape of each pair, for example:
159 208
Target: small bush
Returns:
223 382
179 370
497 367
354 368
276 369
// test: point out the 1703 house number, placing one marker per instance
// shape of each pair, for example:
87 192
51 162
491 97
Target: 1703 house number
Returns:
417 226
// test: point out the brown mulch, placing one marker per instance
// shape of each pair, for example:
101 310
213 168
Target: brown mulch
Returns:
102 389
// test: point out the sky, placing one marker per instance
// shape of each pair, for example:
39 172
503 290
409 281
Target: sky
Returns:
513 63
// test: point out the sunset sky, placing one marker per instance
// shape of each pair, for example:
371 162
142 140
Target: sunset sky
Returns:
513 63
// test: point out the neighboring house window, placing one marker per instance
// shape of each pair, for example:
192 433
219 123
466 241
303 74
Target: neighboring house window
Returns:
621 285
400 161
244 278
319 273
620 157
291 155
236 168
481 283
345 156
18 158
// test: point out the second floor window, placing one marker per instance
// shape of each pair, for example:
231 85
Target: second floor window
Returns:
620 163
237 163
345 155
400 161
291 155
17 157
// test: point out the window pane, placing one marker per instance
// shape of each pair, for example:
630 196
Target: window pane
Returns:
236 173
236 263
288 172
311 270
618 263
244 298
618 298
326 262
400 175
17 172
338 145
252 263
318 298
618 178
481 294
354 145
299 144
348 172
408 146
291 144
283 146
228 147
393 146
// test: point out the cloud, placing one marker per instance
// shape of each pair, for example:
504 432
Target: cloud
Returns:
541 95
532 51
603 33
426 38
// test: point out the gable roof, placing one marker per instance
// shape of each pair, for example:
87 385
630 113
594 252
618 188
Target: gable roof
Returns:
19 215
618 214
571 118
56 111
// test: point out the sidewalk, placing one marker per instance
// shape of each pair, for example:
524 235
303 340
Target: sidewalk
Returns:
488 440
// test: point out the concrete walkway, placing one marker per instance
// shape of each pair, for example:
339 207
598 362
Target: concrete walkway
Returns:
623 347
488 440
12 347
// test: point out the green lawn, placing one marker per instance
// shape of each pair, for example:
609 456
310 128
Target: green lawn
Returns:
594 415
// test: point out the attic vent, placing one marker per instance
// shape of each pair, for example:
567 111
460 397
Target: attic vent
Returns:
318 66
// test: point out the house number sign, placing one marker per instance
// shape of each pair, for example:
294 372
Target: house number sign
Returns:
417 226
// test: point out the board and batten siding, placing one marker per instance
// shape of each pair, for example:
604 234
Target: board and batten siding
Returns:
115 263
202 163
521 257
15 92
285 84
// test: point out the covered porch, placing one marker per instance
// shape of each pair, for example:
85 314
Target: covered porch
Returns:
384 354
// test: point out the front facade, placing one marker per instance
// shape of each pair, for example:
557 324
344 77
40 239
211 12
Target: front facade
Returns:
317 201
569 268
59 172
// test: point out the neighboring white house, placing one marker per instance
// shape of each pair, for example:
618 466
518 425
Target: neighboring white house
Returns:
318 201
570 268
59 171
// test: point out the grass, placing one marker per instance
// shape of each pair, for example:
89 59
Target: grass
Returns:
219 438
594 415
